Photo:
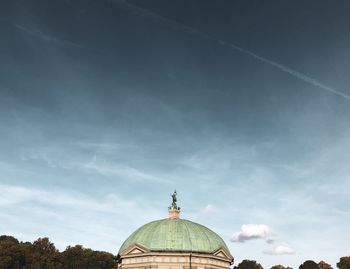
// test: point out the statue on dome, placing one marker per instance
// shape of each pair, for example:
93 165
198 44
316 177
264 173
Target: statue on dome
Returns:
173 204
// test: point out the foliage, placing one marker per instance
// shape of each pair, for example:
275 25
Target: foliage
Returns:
324 265
11 254
42 254
79 257
344 263
248 264
309 265
279 266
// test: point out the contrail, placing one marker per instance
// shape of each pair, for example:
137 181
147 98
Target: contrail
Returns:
35 32
179 26
288 70
45 37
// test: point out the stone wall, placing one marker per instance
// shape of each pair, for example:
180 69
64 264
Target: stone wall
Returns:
174 260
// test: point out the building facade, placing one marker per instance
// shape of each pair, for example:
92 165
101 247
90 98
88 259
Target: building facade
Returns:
174 243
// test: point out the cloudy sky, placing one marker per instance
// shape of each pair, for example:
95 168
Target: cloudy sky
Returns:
243 107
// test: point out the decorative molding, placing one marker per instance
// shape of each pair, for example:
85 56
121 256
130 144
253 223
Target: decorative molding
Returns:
188 267
221 252
134 249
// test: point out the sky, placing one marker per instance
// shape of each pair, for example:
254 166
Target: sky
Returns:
243 107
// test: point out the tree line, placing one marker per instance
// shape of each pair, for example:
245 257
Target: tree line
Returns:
42 254
344 263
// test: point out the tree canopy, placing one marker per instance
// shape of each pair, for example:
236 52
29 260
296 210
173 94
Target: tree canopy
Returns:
344 263
324 265
248 264
279 266
42 254
309 265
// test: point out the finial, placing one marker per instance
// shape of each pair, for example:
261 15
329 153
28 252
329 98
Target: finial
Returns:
174 210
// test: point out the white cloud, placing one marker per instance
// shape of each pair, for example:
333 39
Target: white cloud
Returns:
210 209
252 231
280 250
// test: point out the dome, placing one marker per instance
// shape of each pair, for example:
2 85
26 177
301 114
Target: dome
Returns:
175 235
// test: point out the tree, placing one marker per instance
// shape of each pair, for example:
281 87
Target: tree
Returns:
73 257
104 260
11 254
248 264
309 265
42 254
79 257
8 239
279 266
324 265
344 263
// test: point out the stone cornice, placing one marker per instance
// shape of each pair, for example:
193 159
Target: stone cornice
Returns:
147 253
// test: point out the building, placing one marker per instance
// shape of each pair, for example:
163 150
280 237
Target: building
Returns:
174 243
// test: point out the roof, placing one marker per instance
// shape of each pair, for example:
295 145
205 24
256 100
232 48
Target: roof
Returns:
175 235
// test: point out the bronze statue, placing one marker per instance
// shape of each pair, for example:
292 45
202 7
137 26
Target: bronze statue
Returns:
173 204
174 197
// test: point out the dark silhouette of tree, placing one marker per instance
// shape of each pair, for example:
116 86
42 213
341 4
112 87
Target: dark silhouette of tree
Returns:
79 257
11 254
309 265
248 264
279 266
324 265
344 263
42 254
74 257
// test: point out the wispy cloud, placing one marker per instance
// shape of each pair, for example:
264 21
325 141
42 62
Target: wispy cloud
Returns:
280 250
105 146
210 209
12 195
120 171
28 212
30 155
46 37
101 163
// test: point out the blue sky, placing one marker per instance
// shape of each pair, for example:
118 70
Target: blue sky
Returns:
106 107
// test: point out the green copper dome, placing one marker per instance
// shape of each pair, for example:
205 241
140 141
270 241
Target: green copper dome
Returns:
175 235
